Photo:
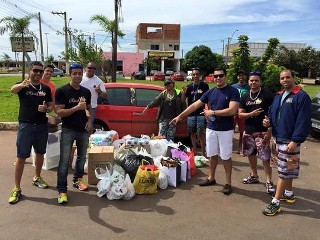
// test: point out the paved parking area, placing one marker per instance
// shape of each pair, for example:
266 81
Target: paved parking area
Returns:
186 212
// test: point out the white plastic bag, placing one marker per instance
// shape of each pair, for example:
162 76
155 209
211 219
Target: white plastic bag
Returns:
184 171
130 188
158 147
163 179
117 191
104 184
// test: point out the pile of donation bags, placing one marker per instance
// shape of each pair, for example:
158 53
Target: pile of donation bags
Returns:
141 165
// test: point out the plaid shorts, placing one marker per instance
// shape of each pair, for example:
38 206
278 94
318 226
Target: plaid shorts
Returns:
253 144
288 163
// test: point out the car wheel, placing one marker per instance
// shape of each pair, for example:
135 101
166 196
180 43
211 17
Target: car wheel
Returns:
58 75
100 125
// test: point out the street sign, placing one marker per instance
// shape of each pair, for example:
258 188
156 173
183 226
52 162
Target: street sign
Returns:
16 44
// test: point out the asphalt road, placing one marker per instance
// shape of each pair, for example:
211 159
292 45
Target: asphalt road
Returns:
185 212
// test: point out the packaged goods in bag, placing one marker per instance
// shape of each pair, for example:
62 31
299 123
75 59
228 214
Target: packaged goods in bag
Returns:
146 179
163 179
130 189
104 183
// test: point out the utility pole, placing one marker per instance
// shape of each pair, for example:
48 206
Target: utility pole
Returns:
41 43
115 41
228 43
222 47
47 45
65 38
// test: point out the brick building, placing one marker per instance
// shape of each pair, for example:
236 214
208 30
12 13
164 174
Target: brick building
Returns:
160 41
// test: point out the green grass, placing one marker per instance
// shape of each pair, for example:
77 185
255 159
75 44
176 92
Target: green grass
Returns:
9 103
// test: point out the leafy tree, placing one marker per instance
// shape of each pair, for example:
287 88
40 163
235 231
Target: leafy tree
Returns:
18 27
6 59
150 63
286 58
202 57
241 59
268 54
50 59
108 26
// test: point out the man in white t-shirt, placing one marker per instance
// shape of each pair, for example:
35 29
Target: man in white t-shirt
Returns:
95 85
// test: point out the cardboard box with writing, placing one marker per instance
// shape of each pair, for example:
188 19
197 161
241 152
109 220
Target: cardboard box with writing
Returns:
98 157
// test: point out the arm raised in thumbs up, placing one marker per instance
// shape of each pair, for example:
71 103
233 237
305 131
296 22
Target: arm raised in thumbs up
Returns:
43 107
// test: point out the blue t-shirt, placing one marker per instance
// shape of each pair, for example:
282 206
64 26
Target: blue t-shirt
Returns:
243 89
218 99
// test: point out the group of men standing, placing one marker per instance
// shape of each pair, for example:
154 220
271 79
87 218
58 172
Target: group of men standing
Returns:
73 104
260 114
286 116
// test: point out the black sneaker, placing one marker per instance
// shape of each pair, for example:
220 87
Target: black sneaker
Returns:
272 209
207 182
227 189
289 199
251 179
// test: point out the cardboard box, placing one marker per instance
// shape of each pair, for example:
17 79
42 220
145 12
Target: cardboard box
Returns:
98 157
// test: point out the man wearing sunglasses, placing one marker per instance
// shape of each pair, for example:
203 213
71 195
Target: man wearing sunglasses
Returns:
35 101
223 101
243 87
96 87
72 103
254 106
196 121
290 119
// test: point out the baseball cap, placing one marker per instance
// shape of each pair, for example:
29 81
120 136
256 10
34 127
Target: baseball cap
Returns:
241 72
167 81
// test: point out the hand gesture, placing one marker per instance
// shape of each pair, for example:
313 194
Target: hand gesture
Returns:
97 89
43 107
256 112
25 83
266 122
184 90
175 120
82 103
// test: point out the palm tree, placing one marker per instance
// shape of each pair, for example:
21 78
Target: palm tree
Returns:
6 59
18 27
108 26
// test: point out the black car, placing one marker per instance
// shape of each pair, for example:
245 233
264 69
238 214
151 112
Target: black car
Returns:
315 115
140 75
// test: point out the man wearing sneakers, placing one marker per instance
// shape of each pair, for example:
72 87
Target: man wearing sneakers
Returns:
72 103
224 102
35 101
256 140
290 119
196 121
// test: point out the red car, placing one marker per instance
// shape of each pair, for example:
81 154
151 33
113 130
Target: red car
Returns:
121 110
177 76
158 76
209 78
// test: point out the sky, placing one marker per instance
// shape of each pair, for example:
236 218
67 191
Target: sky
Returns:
203 22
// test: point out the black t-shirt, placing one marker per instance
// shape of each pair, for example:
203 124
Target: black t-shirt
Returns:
194 93
257 100
70 97
30 98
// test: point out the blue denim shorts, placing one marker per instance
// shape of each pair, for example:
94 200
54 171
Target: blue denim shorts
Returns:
31 135
197 124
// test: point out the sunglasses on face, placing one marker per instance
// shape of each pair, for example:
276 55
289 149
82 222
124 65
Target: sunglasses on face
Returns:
40 71
218 75
91 68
